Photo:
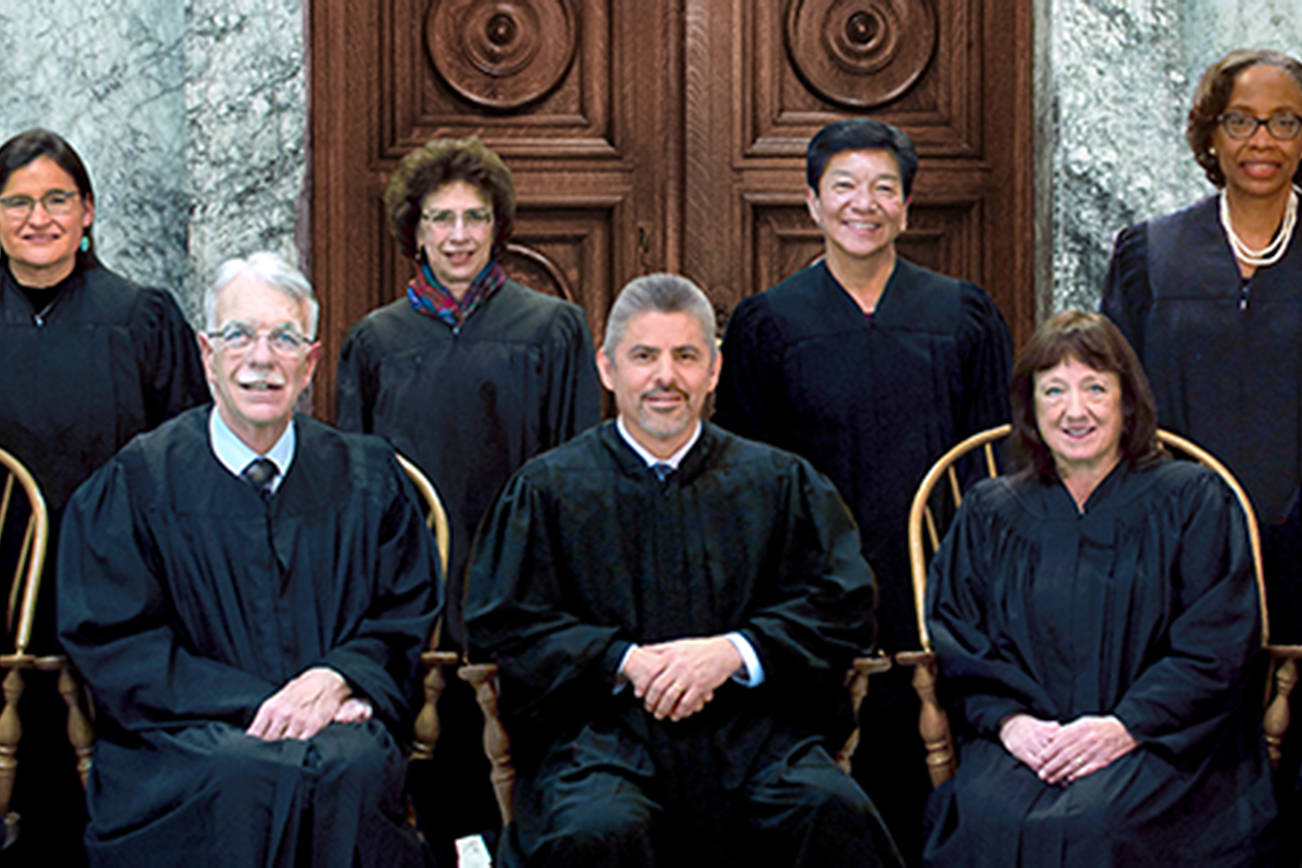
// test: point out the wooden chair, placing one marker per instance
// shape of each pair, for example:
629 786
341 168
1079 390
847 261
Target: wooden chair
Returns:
20 496
483 677
933 722
425 730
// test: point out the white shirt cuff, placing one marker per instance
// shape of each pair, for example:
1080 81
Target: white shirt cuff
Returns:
751 673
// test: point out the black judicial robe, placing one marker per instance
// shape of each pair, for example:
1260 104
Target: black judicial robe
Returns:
105 361
587 552
1144 606
469 406
1224 355
872 403
186 600
1224 358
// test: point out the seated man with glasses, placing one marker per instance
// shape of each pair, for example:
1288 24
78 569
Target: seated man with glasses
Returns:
247 592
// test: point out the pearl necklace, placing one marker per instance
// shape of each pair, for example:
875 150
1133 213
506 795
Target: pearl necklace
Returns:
1272 252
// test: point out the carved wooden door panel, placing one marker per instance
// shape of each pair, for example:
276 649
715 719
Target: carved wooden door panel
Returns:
762 77
667 135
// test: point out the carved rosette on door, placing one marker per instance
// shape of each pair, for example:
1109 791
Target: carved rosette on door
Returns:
503 54
860 53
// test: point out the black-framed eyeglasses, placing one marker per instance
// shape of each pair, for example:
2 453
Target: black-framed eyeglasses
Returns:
1283 126
57 203
237 337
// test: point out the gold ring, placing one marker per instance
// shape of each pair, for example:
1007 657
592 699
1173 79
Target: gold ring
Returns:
1080 760
680 688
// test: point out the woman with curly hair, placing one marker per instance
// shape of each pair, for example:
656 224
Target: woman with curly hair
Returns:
469 375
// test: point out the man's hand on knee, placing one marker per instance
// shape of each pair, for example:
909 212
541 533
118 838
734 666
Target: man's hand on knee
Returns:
692 670
303 707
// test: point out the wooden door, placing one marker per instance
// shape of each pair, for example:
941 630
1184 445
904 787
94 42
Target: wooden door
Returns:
668 135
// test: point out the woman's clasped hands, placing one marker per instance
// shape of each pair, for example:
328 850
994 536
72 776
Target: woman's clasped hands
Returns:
1063 753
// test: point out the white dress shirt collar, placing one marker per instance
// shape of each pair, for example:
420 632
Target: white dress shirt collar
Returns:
651 460
235 455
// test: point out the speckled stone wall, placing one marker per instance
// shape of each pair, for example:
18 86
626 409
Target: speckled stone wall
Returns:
1114 80
191 118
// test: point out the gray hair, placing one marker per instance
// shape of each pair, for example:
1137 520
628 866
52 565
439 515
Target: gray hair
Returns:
267 268
661 293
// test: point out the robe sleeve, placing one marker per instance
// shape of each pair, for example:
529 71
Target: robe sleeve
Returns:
985 679
115 619
171 371
515 614
355 386
986 353
380 660
573 402
1185 696
818 614
1126 291
748 397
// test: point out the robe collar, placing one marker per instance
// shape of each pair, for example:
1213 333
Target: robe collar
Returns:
234 454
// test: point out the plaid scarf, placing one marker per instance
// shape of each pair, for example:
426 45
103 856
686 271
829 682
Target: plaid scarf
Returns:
429 297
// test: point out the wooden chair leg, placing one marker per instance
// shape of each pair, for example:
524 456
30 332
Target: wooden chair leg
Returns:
497 744
858 685
933 724
425 732
80 732
856 680
11 731
1277 716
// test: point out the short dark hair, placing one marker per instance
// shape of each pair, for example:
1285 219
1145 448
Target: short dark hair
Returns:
434 164
1091 339
32 144
860 134
1213 94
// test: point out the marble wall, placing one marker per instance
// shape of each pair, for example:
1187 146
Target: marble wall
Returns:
191 118
1113 85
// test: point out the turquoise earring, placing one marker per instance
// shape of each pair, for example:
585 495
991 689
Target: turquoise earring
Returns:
85 243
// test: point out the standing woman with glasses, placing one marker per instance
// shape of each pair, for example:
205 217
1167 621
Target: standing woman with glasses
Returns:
1210 297
469 374
89 360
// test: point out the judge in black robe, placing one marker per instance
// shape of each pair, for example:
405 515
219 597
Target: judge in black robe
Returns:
470 406
469 375
90 360
588 559
872 387
193 603
1223 355
1140 605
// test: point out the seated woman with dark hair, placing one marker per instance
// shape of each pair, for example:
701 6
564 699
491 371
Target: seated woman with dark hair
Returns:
1097 625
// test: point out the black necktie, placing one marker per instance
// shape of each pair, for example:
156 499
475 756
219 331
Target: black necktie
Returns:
662 470
259 473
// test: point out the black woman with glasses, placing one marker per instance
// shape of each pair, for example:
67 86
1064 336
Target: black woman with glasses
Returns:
1210 297
89 360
